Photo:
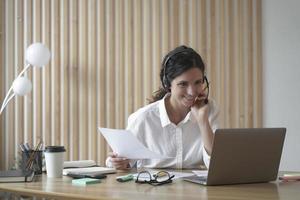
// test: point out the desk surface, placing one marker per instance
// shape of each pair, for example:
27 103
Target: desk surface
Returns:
109 188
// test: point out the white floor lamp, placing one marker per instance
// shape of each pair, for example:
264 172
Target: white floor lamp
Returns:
37 55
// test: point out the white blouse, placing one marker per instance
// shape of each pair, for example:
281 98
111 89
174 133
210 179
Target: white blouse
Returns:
152 126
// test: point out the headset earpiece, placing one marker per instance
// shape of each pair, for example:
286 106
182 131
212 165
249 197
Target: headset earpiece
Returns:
164 81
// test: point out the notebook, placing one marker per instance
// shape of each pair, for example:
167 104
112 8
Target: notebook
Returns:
16 176
89 170
243 156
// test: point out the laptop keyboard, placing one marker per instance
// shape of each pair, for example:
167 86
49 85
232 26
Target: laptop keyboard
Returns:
198 178
202 178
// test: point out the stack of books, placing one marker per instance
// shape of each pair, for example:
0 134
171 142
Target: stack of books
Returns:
85 167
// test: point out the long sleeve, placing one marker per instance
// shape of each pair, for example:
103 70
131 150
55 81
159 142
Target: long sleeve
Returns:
214 123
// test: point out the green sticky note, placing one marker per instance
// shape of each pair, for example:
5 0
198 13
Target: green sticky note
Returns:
85 181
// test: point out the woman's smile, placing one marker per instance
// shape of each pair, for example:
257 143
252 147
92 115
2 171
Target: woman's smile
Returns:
189 100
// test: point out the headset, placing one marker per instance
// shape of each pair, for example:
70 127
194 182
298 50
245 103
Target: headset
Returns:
165 80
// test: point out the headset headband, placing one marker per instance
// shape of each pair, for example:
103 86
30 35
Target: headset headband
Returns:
174 53
189 50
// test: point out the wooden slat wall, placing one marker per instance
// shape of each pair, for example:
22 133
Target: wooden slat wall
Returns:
106 57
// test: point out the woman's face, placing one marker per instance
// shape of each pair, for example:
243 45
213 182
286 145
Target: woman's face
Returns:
186 87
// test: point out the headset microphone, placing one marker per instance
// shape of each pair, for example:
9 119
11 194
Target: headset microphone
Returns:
206 101
207 87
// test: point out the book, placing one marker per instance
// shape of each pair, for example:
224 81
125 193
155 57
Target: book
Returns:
79 163
16 176
85 181
89 170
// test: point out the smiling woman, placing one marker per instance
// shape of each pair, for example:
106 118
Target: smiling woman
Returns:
180 122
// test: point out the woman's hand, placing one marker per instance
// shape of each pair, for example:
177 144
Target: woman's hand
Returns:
118 162
200 109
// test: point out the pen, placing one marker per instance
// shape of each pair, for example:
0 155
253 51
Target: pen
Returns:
27 147
22 147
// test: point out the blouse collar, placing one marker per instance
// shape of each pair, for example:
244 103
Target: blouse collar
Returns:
164 118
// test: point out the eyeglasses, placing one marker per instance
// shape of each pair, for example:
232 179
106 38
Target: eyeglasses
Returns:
160 178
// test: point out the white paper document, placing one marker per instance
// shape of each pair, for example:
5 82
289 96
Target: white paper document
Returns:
125 144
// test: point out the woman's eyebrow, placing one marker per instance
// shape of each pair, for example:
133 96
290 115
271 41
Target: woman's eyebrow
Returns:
201 79
182 81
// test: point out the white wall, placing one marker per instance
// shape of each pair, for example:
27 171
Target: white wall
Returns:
281 74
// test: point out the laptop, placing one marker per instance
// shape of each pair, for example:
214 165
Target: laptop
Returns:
250 155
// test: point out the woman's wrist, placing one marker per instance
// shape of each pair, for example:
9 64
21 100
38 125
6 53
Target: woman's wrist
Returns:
203 123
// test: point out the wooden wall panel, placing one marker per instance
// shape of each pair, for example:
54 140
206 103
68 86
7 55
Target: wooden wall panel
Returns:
105 63
2 82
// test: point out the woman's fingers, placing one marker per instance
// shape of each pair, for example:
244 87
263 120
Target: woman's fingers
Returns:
112 154
118 162
200 98
199 101
118 159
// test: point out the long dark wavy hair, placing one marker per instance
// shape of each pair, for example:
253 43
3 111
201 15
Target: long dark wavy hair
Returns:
176 62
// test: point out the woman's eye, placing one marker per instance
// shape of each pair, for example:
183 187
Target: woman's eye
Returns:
182 84
199 82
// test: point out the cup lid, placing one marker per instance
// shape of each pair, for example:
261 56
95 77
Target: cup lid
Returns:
55 149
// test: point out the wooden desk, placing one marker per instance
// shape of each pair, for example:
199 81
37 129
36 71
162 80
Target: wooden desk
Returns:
109 188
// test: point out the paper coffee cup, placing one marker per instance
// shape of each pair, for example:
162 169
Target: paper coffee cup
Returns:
54 156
